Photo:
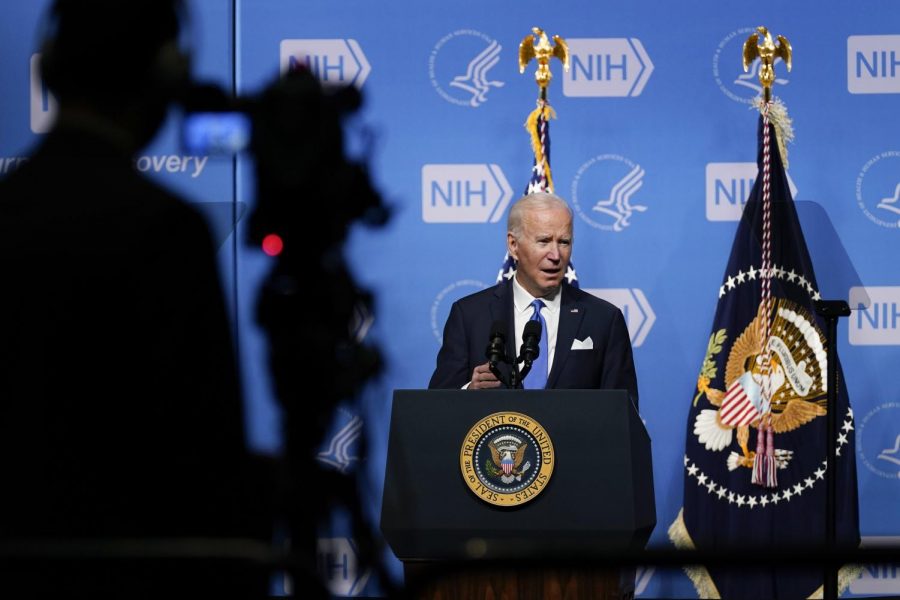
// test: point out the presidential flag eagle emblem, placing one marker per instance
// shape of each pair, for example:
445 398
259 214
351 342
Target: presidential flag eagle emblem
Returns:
795 381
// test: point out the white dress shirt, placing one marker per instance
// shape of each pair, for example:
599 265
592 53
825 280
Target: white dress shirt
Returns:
523 311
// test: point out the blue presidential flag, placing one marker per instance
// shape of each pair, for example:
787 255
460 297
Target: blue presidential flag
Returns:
755 452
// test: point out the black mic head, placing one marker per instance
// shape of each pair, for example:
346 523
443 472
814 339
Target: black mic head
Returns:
532 330
498 330
531 339
496 350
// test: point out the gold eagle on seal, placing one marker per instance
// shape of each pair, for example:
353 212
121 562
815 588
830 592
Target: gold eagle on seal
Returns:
796 383
498 456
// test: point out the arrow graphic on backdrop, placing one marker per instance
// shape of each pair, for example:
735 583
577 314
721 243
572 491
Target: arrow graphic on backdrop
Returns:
336 61
607 67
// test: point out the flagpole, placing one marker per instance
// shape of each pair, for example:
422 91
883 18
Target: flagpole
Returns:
831 311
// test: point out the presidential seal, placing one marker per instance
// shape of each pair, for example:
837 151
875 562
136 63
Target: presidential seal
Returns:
507 459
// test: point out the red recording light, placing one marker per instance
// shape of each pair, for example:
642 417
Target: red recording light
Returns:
272 244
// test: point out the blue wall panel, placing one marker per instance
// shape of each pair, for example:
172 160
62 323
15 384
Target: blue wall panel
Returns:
654 86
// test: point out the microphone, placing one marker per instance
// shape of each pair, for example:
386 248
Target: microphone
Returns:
531 340
496 350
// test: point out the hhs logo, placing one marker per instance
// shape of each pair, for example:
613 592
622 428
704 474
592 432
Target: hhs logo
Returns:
440 308
728 188
728 73
606 185
878 439
605 67
340 449
873 64
878 189
875 320
464 193
460 64
639 316
43 104
335 62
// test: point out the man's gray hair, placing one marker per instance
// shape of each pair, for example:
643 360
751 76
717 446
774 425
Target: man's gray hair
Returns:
532 201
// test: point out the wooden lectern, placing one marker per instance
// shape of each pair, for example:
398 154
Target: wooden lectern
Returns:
598 500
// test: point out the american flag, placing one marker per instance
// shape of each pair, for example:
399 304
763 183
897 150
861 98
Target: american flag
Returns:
538 126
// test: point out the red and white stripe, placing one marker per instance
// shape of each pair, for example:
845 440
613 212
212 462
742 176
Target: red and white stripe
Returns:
737 408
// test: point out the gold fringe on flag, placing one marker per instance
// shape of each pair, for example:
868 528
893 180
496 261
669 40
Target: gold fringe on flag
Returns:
846 575
543 111
784 126
698 574
704 584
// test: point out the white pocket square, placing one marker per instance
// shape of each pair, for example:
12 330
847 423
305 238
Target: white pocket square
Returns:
587 344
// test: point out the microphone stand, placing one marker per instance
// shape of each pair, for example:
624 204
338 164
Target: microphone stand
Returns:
526 369
831 310
516 376
495 356
500 375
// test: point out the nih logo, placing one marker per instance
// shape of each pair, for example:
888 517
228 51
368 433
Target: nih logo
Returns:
338 564
639 317
878 578
873 64
728 188
43 104
464 193
606 67
875 320
334 62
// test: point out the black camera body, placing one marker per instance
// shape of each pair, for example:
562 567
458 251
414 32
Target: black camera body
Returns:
308 193
294 131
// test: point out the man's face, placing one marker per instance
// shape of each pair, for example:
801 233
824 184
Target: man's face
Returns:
542 250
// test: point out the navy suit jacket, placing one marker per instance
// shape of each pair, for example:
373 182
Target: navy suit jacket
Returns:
609 365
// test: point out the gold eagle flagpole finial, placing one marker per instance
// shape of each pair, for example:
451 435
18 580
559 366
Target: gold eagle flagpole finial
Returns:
538 46
767 52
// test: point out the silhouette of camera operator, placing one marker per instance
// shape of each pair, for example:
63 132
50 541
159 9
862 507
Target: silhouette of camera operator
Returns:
309 299
120 413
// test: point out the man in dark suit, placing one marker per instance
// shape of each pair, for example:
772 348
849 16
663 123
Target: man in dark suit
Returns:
587 340
120 411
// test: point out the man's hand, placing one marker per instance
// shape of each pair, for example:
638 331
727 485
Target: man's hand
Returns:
482 378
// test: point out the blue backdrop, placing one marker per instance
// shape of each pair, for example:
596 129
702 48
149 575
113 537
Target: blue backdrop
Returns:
654 111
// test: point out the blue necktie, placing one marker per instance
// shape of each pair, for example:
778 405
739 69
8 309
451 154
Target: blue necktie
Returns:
537 378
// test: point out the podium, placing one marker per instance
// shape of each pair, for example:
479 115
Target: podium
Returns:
599 498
